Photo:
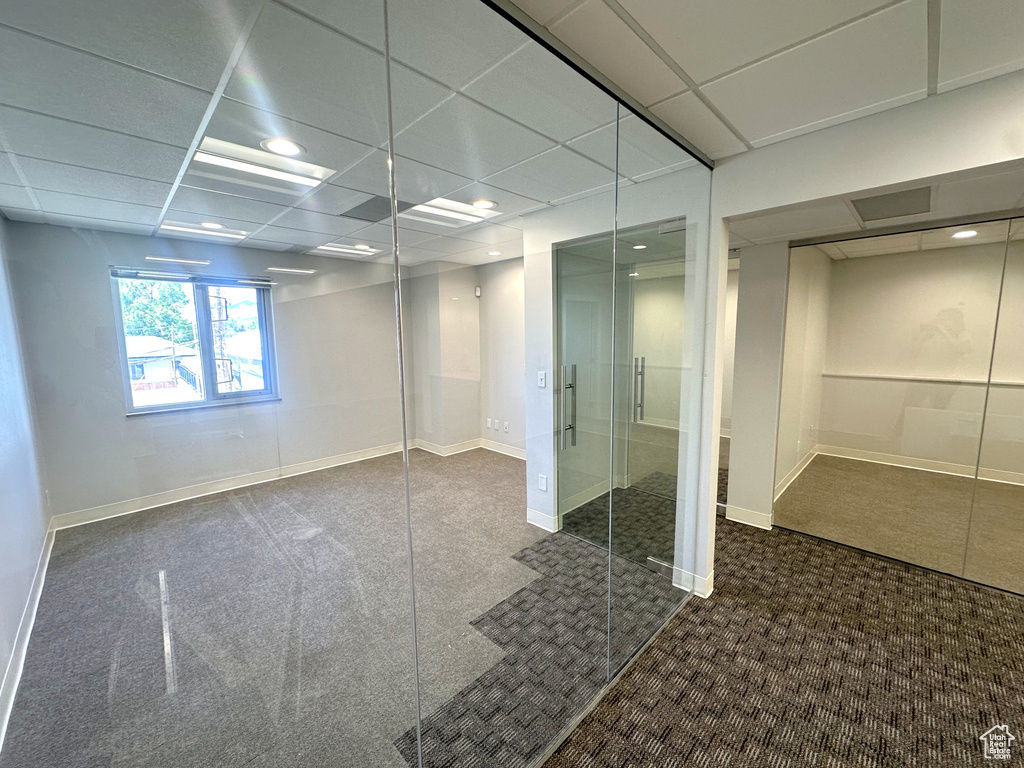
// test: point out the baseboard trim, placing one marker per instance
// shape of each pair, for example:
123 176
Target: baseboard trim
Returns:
748 517
541 520
581 498
701 586
468 445
142 503
907 462
15 665
794 473
505 450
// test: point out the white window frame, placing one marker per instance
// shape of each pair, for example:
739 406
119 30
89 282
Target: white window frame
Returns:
201 284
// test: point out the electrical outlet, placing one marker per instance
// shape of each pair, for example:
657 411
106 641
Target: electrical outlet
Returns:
506 426
542 379
497 424
542 482
488 423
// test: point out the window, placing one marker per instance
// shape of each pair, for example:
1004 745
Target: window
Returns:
189 340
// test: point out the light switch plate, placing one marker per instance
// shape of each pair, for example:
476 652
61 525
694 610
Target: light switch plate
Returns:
542 378
542 482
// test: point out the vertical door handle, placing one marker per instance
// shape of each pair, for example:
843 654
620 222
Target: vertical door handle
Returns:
643 385
636 386
570 425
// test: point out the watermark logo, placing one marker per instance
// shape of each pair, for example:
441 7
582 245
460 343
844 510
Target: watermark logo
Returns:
997 741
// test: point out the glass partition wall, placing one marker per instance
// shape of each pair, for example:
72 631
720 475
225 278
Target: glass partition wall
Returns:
900 426
305 378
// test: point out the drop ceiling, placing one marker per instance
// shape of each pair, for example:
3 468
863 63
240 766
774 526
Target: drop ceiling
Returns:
733 75
102 111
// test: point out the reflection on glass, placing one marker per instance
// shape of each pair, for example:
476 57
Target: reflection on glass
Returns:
161 338
885 377
238 342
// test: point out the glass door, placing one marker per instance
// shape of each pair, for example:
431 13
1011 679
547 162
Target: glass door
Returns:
584 312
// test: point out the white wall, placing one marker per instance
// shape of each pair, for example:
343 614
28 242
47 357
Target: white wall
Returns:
503 351
658 337
760 327
729 347
803 361
23 517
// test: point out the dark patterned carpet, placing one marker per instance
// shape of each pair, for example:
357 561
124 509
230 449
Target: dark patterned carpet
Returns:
809 653
643 524
554 635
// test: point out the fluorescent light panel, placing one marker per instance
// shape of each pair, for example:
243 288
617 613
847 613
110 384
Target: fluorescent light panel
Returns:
206 232
178 261
344 249
449 214
292 271
258 170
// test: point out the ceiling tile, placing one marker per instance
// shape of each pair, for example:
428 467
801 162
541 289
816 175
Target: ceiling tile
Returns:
248 126
95 208
332 200
268 245
295 67
866 67
50 138
643 151
215 204
7 173
447 245
80 87
996 192
57 177
979 41
415 182
230 182
511 249
488 234
290 236
311 221
425 37
189 42
691 117
544 11
554 175
381 234
468 139
708 39
535 88
362 20
832 217
12 196
602 38
507 202
86 222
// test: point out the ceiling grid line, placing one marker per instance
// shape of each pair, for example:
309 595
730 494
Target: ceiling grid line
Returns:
222 84
672 64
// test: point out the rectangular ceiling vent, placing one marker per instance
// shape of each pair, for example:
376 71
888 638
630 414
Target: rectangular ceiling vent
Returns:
894 204
375 209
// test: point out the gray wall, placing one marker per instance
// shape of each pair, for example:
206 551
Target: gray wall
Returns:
23 518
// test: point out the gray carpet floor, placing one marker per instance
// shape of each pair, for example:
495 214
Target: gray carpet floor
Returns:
289 634
812 654
930 519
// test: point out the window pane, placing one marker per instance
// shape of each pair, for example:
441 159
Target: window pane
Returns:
162 341
237 339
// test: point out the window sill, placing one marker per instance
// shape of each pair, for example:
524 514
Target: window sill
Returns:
203 405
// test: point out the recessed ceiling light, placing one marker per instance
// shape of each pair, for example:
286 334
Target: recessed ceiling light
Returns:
207 232
494 253
363 247
484 204
281 146
455 298
210 225
292 271
634 274
964 234
639 247
178 261
258 170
